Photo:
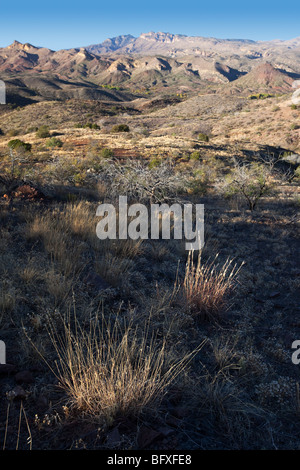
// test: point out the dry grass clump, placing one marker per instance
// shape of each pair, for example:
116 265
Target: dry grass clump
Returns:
80 219
206 286
58 286
111 368
116 271
77 218
55 228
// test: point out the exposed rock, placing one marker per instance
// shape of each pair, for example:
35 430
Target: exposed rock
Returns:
17 393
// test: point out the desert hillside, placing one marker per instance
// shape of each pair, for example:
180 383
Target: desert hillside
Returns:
139 343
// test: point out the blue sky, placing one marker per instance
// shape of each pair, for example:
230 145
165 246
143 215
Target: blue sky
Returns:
66 24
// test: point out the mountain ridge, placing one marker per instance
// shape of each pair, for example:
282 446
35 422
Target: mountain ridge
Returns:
185 43
126 64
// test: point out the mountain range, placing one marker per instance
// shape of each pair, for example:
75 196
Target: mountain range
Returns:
126 67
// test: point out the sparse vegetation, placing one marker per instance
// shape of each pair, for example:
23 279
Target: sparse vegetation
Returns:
260 96
91 125
106 333
54 142
251 182
17 144
106 153
120 128
203 137
43 132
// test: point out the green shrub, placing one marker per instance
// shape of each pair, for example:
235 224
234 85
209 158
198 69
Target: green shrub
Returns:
294 106
90 125
120 128
154 162
19 144
54 142
203 137
43 132
260 96
195 155
106 153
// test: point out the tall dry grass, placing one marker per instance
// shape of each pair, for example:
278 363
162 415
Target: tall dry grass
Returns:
206 286
111 368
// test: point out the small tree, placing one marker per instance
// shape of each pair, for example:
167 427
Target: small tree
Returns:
251 181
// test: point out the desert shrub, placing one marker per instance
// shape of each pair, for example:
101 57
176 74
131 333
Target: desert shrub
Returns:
138 181
195 155
106 153
201 181
43 132
120 128
1 132
295 126
17 144
294 106
111 87
249 181
61 171
203 137
54 142
90 125
79 178
260 96
154 162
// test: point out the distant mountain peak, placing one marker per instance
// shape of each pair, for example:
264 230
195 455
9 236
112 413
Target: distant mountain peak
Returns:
111 44
24 47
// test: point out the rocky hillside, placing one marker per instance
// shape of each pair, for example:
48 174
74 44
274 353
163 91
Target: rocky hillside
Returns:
125 67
